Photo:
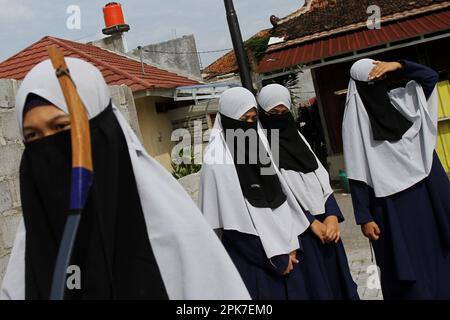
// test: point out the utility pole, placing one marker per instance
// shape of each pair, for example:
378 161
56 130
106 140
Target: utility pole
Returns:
238 45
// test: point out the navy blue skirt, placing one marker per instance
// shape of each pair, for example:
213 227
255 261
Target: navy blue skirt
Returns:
413 251
263 278
325 269
322 272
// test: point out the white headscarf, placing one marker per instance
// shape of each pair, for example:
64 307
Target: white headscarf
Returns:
389 167
221 198
273 95
310 189
191 259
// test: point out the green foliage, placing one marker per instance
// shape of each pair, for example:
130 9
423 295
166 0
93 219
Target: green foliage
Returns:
184 169
258 46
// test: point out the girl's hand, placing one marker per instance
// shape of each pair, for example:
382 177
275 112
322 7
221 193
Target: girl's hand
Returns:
292 262
333 233
319 229
382 68
371 230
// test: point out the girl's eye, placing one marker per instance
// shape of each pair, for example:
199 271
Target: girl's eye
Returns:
278 112
62 126
30 136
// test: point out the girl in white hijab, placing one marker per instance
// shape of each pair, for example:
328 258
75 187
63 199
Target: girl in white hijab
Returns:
400 192
251 203
308 180
251 207
141 236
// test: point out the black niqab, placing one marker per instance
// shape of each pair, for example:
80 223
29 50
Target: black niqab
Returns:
261 190
387 123
294 154
112 247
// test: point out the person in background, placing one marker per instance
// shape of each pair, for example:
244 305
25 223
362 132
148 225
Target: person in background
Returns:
310 126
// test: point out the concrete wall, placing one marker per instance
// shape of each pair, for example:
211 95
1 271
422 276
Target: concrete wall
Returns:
156 130
115 42
191 184
122 98
186 62
306 89
11 149
10 153
335 163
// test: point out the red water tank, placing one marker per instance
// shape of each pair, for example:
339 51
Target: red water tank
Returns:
114 20
113 14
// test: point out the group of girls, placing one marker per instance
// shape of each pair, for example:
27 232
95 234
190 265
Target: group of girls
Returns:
262 189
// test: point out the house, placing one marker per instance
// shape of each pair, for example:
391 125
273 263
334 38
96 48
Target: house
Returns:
324 37
225 69
152 88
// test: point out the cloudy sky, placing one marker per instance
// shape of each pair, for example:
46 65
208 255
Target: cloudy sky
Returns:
23 22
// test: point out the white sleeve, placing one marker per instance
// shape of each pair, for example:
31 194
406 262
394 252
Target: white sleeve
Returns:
13 286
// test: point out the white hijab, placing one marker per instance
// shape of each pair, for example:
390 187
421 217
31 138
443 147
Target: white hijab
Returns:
221 198
310 189
192 261
389 167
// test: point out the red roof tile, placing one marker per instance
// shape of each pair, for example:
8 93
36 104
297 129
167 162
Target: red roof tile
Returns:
228 64
116 68
224 65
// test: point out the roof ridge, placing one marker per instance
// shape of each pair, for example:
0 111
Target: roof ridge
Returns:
63 42
303 9
25 49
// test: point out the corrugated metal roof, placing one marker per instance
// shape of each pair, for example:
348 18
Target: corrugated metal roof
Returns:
117 69
318 18
356 40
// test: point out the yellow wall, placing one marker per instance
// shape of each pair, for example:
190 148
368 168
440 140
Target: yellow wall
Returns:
156 130
443 142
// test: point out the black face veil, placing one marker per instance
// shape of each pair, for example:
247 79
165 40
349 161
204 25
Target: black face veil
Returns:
294 154
386 121
112 249
261 190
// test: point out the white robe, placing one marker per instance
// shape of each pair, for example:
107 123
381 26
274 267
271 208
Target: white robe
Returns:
222 201
389 167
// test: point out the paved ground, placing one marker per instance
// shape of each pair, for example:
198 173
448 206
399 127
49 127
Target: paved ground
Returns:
358 250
